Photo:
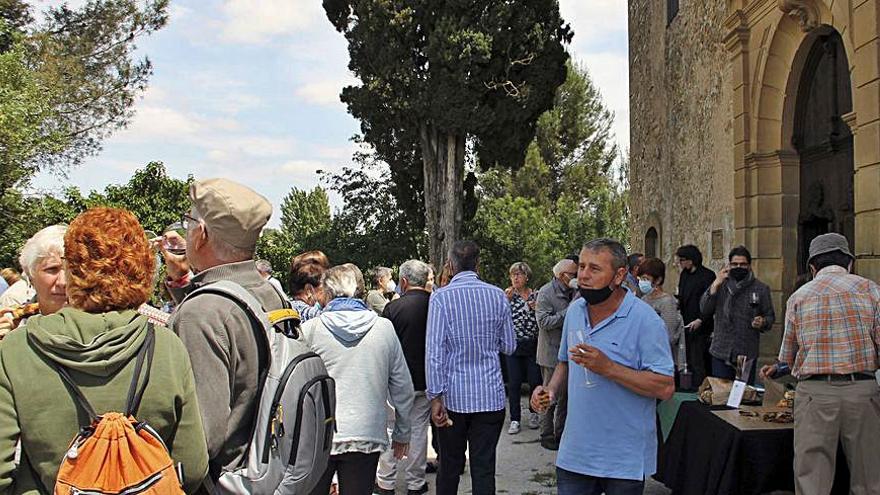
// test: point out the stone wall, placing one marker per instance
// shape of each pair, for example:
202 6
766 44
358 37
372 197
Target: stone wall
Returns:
681 129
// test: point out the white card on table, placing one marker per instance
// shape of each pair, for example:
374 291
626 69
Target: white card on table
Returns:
736 394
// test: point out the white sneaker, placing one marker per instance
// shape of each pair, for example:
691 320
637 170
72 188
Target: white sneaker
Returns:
514 428
534 423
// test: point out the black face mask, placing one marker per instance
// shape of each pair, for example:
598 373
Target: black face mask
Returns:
739 273
596 296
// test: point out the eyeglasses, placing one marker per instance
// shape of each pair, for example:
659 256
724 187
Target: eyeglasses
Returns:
185 220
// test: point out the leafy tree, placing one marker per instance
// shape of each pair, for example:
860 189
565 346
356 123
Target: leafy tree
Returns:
157 199
276 247
305 215
305 222
567 183
574 137
151 194
439 76
512 229
371 228
68 81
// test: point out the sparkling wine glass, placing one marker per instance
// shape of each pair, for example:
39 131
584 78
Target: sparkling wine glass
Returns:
586 338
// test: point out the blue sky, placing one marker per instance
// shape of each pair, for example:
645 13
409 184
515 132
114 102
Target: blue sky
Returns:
248 89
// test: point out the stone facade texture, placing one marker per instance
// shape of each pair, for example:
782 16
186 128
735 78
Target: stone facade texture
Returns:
713 106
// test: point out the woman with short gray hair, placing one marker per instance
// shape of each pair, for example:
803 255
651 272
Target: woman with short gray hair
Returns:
521 365
364 357
44 281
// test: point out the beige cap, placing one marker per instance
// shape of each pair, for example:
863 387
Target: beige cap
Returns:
234 213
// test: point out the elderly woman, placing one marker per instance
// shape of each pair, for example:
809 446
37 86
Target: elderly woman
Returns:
364 356
40 259
306 270
384 289
96 338
521 365
651 275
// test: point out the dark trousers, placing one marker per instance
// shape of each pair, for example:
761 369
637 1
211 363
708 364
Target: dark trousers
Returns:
568 483
478 433
356 473
553 419
520 369
721 369
696 345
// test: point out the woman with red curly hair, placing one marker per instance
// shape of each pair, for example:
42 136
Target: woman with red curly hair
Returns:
109 267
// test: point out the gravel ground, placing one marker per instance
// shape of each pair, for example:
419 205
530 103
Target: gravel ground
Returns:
523 467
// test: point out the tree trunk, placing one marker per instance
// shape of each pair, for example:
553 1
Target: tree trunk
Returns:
443 163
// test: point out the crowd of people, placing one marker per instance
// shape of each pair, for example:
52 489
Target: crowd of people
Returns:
445 352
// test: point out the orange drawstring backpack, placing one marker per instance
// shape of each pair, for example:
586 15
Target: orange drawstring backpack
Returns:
115 454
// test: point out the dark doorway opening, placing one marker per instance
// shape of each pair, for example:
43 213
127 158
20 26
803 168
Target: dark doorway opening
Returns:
825 145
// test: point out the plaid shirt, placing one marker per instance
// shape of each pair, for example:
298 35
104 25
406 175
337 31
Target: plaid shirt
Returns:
832 325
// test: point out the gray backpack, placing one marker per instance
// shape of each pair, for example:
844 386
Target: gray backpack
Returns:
294 426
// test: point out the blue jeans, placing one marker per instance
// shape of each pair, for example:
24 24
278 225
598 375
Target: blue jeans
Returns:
568 483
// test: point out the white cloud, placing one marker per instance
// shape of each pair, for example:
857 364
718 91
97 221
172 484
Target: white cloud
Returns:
257 21
159 122
600 42
300 167
596 23
610 73
325 92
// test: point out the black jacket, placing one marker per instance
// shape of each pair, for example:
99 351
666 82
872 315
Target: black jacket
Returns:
409 314
691 287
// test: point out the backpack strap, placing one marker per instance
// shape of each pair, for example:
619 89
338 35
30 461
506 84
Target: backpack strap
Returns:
145 354
262 328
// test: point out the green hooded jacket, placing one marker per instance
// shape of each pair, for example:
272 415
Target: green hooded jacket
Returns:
98 350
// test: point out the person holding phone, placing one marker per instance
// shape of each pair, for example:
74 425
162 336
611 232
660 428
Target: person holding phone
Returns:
743 310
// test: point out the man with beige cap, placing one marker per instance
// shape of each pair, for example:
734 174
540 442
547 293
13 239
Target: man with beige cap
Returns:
832 343
222 230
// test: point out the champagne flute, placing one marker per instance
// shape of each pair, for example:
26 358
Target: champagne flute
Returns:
586 338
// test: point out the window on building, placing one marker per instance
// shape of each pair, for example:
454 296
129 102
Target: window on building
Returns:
671 10
651 243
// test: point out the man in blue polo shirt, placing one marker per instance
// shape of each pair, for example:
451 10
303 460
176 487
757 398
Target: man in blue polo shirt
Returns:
616 362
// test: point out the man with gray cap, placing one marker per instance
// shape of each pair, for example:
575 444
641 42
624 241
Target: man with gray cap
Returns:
832 346
222 230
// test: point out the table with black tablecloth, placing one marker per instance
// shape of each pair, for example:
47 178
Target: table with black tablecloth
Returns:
706 455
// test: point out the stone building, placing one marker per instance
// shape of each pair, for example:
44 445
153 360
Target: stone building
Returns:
755 122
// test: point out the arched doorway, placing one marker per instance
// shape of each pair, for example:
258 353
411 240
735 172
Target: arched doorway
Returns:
824 143
651 239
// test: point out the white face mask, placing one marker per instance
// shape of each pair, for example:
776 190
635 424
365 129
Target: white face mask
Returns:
645 286
573 284
390 286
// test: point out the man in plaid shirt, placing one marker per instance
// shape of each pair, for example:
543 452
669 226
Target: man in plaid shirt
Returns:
832 343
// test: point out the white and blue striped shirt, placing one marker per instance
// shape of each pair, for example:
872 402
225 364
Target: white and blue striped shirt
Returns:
469 323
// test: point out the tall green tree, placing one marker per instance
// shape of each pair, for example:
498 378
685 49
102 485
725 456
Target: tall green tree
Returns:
439 76
569 183
305 215
68 81
372 228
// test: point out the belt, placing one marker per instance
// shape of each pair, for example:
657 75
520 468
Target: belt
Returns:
848 377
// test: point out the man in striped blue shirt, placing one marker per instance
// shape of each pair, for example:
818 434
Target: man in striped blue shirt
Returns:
469 324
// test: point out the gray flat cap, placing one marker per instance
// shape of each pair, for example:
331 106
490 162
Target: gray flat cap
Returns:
827 243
